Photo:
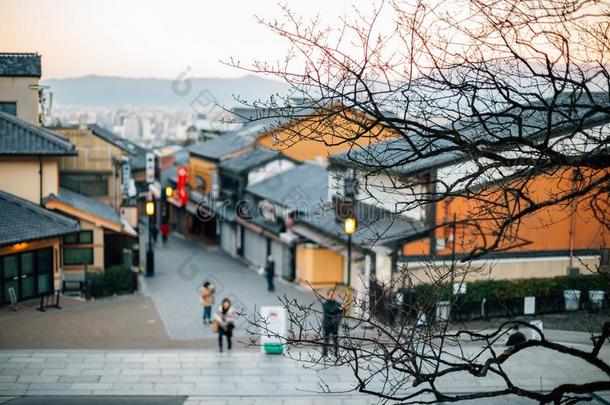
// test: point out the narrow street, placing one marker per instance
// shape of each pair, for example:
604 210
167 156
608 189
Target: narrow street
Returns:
182 266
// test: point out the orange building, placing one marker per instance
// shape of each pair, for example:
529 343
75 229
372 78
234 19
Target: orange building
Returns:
320 134
564 238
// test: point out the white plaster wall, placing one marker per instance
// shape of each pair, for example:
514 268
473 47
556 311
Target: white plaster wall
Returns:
382 190
268 170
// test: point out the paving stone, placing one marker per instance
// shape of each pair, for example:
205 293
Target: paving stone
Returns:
36 386
18 359
79 379
140 387
13 386
92 386
65 372
98 372
58 393
37 378
120 379
131 371
159 378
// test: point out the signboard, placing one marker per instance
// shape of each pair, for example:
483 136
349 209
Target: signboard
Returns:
182 176
150 167
459 288
274 329
529 305
13 297
126 178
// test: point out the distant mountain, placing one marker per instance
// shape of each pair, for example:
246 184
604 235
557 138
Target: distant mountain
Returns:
118 91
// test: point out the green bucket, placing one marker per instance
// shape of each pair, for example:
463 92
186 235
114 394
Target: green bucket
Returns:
273 348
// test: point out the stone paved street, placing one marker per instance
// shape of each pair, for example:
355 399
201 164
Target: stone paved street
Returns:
181 268
207 377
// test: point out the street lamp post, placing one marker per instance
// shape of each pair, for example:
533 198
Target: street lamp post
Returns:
150 254
349 225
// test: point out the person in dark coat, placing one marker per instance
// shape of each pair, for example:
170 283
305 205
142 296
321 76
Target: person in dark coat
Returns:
515 337
270 273
331 319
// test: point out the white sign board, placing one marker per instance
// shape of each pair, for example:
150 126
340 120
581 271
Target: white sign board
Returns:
274 330
459 288
150 167
529 305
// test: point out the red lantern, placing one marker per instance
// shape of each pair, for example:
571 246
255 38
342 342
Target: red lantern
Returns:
182 180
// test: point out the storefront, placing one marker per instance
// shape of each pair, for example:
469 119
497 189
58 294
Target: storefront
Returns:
30 246
256 247
26 275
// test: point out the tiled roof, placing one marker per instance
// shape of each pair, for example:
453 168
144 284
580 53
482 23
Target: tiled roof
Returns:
249 160
375 226
18 137
397 155
305 185
257 122
23 221
137 153
225 144
87 204
20 64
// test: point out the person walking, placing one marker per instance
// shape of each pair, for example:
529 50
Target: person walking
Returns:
270 273
164 233
207 301
515 337
225 319
331 319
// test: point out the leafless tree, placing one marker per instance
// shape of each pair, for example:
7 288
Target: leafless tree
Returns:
514 88
508 93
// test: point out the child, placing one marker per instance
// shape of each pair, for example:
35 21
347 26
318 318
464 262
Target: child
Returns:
207 300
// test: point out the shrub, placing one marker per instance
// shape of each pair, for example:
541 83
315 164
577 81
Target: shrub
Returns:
510 289
113 280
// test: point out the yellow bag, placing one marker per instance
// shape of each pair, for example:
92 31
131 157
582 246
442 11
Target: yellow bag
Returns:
215 326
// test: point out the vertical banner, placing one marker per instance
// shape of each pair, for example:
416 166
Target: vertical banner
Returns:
126 178
150 167
182 174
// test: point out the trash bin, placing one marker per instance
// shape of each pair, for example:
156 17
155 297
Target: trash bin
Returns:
571 300
596 300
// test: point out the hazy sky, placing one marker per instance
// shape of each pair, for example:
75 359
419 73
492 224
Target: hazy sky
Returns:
144 38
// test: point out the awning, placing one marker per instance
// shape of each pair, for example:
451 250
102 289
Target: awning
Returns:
128 229
318 238
258 229
289 237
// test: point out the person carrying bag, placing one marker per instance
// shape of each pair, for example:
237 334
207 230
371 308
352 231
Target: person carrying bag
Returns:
224 322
